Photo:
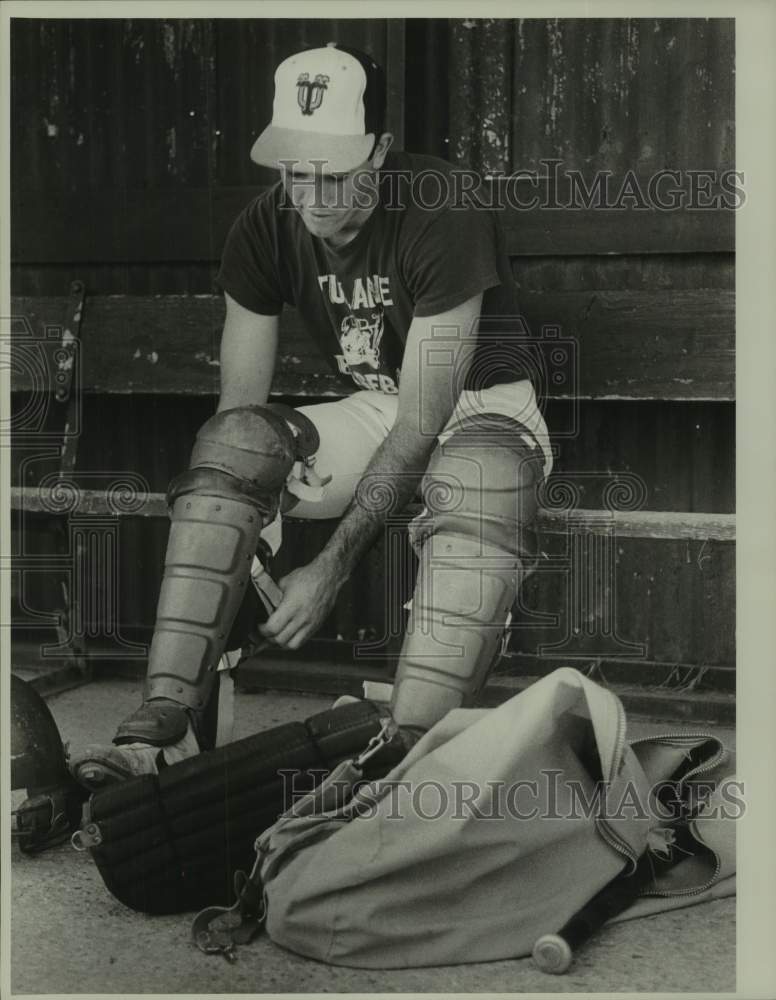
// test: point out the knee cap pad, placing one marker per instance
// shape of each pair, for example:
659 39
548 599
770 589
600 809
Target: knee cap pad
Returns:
247 453
483 485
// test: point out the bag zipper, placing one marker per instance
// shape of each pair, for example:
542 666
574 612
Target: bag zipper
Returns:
617 843
697 890
707 765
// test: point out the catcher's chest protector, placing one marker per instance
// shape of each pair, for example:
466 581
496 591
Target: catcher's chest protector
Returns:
172 842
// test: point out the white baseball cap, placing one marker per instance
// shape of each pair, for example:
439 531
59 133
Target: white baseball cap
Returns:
327 113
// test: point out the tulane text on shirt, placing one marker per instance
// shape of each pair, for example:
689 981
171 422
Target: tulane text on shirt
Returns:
366 294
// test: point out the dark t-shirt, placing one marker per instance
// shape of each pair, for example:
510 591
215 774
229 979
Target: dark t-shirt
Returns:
419 254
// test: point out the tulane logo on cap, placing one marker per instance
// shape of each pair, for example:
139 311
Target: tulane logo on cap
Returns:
309 95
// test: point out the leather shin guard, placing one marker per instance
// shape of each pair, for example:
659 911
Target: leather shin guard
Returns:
212 543
231 491
476 541
172 842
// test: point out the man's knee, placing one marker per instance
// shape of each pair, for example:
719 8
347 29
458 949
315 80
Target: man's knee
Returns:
476 542
248 450
483 482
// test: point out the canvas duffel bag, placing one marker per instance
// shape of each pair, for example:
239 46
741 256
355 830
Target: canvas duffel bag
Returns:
497 828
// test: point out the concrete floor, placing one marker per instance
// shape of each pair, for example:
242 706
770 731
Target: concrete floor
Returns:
70 936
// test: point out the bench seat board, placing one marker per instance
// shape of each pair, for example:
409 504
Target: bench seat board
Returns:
631 344
631 524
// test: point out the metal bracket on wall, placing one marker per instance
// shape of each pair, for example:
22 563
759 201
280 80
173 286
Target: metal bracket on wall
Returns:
66 355
66 390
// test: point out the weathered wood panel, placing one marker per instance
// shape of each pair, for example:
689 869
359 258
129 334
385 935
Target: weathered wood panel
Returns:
667 601
644 344
662 601
45 280
619 524
336 661
626 272
130 225
592 92
674 598
633 344
682 454
536 274
678 694
589 96
110 102
159 103
146 225
165 345
559 231
112 115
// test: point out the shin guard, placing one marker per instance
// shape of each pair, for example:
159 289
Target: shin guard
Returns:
218 508
476 543
171 842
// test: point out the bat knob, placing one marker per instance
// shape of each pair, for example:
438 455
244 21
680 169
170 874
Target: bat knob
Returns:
552 954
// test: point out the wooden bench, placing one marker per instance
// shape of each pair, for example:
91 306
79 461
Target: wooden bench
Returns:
675 568
635 344
169 345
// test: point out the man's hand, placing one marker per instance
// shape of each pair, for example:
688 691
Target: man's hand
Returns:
309 594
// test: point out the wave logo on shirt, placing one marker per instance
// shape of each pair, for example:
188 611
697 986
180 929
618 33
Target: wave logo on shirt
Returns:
360 339
309 96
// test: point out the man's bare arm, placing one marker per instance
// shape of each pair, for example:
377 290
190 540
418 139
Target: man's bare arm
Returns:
248 351
436 357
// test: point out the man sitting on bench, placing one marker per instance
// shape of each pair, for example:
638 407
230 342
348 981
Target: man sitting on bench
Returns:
410 296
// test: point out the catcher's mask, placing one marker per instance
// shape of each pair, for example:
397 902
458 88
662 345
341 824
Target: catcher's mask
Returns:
52 808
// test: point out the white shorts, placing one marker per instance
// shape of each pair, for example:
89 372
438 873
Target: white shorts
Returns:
352 429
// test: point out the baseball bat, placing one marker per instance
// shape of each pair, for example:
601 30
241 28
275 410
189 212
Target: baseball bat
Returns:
553 953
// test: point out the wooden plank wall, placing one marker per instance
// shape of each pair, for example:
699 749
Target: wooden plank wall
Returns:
138 134
639 95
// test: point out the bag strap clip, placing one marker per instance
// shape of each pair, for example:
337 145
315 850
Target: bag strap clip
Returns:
387 732
217 930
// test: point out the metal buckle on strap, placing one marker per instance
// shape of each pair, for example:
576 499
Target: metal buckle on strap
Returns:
39 822
387 732
87 837
268 591
217 930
